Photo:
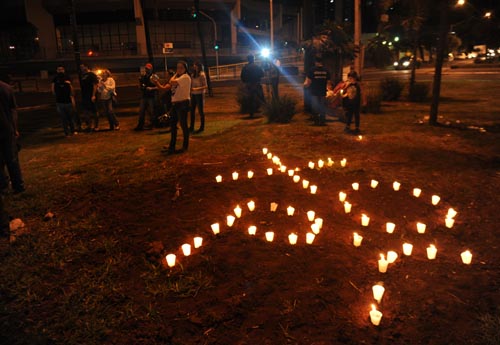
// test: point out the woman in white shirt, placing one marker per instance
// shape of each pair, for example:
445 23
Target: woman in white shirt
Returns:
198 87
106 89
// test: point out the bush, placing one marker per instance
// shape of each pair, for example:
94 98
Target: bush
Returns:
419 92
243 99
373 100
280 110
391 89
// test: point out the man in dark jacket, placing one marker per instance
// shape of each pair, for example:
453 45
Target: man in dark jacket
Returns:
88 85
148 100
316 81
251 75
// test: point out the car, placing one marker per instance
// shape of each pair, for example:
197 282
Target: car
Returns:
406 62
485 58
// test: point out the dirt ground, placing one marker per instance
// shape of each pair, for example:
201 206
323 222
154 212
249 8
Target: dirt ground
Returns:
241 289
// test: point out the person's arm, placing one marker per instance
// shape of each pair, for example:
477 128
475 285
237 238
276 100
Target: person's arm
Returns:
94 91
72 95
52 88
13 111
307 82
167 86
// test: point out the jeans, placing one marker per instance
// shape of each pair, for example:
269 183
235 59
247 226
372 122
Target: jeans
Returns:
318 108
147 104
197 101
90 113
349 113
9 158
179 113
65 111
107 106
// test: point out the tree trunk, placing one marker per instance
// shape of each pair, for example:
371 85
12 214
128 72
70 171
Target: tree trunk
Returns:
146 32
202 44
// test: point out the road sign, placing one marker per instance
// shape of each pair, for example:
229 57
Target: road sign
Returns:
168 47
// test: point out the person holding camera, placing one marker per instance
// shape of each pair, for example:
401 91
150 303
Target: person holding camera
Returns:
149 89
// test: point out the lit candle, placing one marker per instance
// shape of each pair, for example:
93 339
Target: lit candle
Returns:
357 239
265 150
431 252
435 199
330 162
291 172
421 228
319 221
396 185
292 238
311 215
451 213
343 162
315 228
250 173
311 165
466 257
198 241
237 211
273 206
378 292
407 249
342 196
269 155
283 168
310 238
449 222
269 236
375 316
290 210
235 176
365 220
314 189
296 178
347 207
230 220
215 228
186 249
355 186
360 137
305 184
252 230
320 163
276 159
269 171
251 205
374 184
382 264
170 260
417 192
389 227
218 178
391 256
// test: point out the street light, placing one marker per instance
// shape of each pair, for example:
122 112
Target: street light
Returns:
216 42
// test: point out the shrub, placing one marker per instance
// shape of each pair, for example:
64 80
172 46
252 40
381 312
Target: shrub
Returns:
391 89
419 92
243 99
373 100
280 110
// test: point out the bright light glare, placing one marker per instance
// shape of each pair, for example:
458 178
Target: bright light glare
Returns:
487 15
461 2
265 52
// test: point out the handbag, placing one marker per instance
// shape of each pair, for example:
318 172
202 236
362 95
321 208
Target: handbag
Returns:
165 119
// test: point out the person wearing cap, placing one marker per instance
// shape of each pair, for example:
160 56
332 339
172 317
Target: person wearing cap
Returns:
149 95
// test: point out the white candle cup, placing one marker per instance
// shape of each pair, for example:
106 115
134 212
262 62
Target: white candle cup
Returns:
355 186
269 171
343 163
347 207
265 150
269 236
276 159
292 238
330 162
290 210
389 227
356 239
421 228
396 185
198 241
360 137
311 165
283 168
315 228
314 189
407 249
310 238
431 252
170 260
466 257
449 222
365 220
342 196
291 172
382 264
235 176
311 215
215 228
237 211
186 249
391 256
417 192
296 178
319 221
435 199
218 178
251 205
269 155
321 163
451 213
273 207
252 230
378 292
305 184
375 316
374 184
230 220
250 174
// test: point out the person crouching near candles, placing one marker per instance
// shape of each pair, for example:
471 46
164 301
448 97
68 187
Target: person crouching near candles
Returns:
352 102
180 85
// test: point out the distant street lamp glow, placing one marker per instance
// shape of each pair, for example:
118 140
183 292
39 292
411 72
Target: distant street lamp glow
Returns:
487 15
460 2
265 52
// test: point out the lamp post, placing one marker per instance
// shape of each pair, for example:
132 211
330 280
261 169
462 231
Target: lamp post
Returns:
272 24
215 41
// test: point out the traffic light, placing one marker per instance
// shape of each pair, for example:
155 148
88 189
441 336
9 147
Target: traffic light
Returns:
217 45
194 14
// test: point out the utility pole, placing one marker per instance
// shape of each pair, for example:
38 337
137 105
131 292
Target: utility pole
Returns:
272 24
202 44
146 32
357 37
76 42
